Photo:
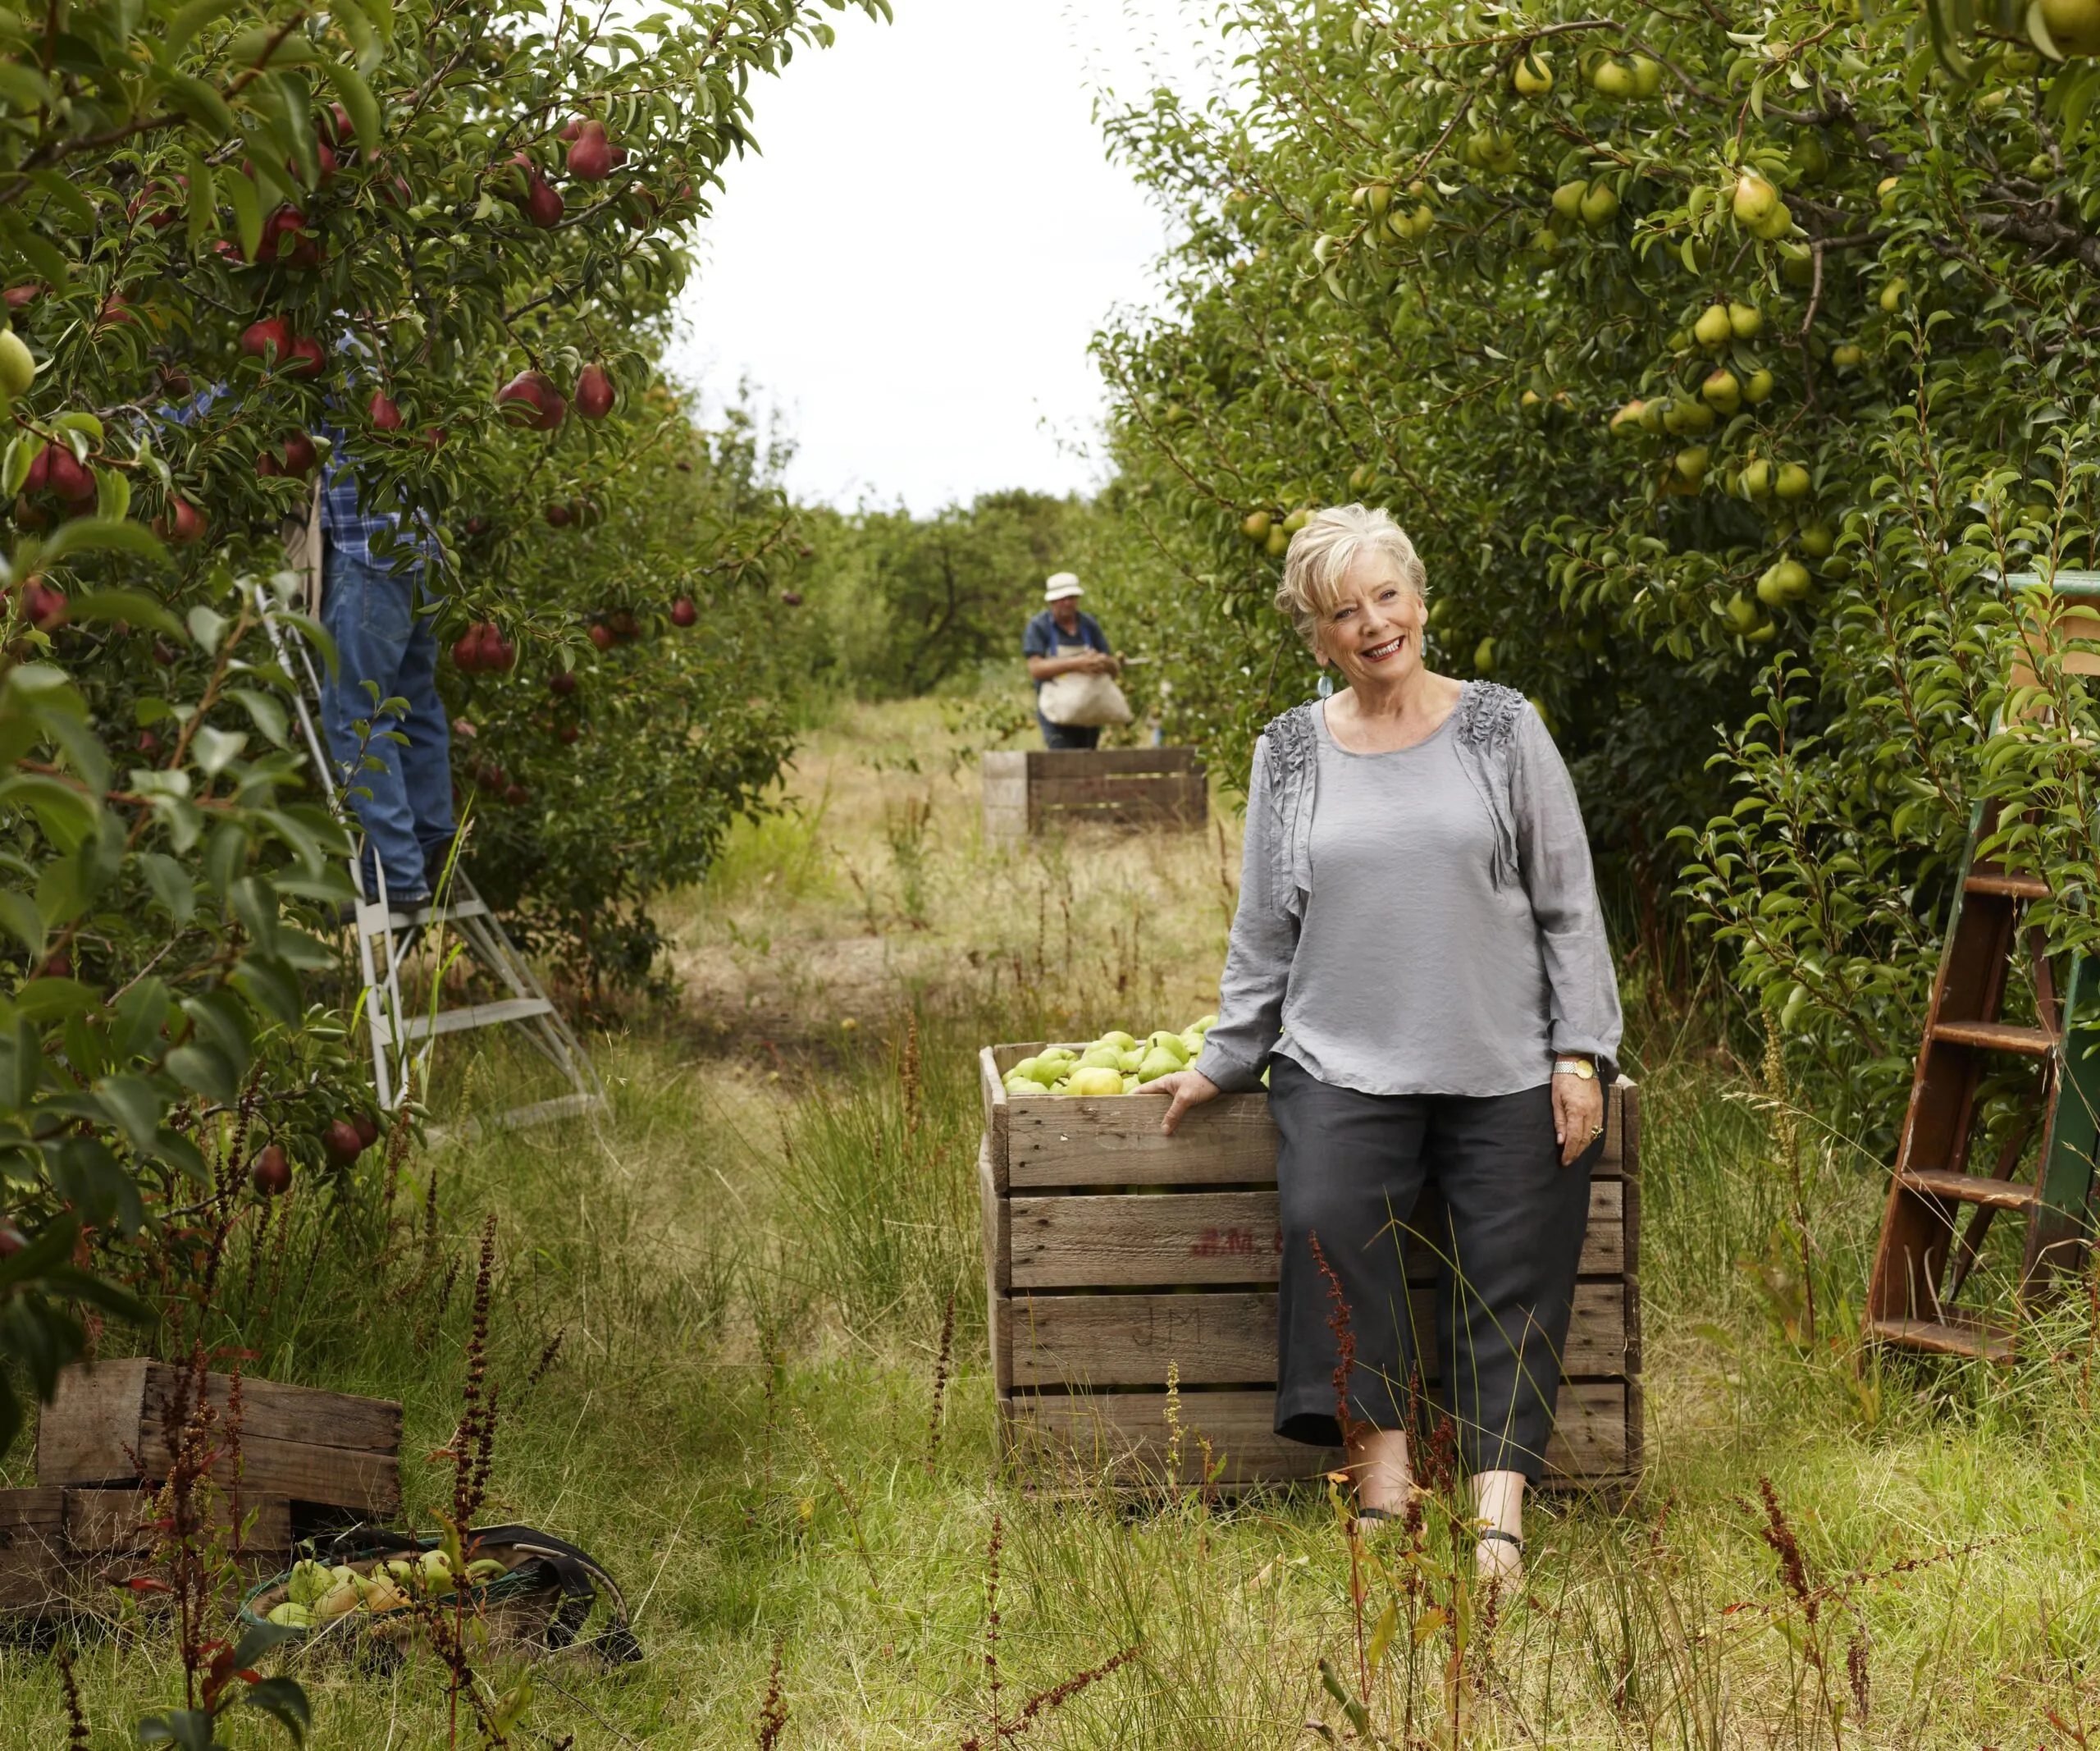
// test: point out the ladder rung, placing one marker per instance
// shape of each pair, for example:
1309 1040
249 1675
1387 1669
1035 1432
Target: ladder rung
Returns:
2014 887
1954 1333
1968 1188
1996 1036
376 917
474 1015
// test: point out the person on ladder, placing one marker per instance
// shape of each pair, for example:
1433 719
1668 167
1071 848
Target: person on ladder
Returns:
374 574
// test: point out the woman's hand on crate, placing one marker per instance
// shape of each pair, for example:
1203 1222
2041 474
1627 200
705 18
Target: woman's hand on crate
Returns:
1189 1088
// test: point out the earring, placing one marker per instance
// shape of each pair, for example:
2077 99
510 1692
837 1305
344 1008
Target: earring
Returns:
1327 689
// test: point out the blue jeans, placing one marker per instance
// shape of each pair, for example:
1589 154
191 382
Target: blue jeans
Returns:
1068 735
405 805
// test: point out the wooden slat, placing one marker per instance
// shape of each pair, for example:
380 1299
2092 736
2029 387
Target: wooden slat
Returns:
1134 796
992 1090
1051 765
1225 1238
107 1427
121 1522
1059 1140
1995 1036
1230 1338
998 1270
275 1410
32 1547
1064 1140
1126 1433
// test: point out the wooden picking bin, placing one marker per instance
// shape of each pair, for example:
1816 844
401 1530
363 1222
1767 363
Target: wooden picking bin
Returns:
1032 790
1112 1252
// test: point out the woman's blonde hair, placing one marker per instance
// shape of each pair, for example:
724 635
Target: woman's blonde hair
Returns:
1322 553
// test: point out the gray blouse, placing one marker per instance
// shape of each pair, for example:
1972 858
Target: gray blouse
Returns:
1420 922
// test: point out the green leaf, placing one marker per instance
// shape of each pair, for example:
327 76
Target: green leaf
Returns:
285 1700
21 86
204 1068
172 889
86 1173
207 626
139 1014
199 102
357 99
271 985
134 606
132 1104
215 749
187 1729
112 494
189 21
265 711
61 193
66 815
100 534
47 263
20 919
357 29
202 201
53 999
247 210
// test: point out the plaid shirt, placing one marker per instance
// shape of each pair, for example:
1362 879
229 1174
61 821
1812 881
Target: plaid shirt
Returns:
371 537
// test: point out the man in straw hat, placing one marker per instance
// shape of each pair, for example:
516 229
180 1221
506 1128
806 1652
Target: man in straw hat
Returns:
1062 640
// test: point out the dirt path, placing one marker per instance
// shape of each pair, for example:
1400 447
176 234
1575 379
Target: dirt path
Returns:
877 886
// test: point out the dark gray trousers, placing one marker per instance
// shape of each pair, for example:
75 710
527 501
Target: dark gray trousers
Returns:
1350 1169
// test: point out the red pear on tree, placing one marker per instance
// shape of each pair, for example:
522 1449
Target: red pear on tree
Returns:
271 1173
531 399
590 156
594 392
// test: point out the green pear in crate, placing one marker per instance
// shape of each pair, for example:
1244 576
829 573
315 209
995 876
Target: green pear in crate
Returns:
1116 1063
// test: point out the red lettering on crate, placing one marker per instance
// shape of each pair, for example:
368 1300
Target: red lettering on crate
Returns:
1231 1243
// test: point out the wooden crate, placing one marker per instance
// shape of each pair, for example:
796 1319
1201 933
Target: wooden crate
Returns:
63 1548
1035 789
106 1426
1111 1252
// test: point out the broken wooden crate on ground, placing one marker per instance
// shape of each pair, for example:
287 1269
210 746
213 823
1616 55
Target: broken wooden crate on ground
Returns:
1113 1254
308 1460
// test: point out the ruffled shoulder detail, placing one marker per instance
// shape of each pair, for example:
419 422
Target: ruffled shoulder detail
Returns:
1487 714
1294 745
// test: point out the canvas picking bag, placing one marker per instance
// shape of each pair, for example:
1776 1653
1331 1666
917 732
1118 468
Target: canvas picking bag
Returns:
1082 702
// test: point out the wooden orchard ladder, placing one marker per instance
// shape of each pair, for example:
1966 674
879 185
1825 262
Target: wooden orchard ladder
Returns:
1921 1264
402 1039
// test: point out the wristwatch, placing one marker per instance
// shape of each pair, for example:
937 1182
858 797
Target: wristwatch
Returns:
1575 1066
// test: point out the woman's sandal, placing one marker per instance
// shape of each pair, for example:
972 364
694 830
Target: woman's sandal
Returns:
1495 1534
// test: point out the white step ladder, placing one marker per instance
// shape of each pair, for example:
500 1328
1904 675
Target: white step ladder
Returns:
402 1041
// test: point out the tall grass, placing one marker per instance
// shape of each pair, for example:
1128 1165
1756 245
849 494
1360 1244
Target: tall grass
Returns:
749 1266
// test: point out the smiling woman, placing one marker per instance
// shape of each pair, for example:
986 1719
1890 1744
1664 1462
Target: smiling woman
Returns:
1419 967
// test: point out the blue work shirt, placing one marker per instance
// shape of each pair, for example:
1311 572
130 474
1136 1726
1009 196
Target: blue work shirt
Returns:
1043 636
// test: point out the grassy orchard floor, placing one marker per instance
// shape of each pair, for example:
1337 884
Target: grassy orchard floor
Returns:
751 1265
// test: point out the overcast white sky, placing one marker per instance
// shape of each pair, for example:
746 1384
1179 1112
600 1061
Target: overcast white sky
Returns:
912 271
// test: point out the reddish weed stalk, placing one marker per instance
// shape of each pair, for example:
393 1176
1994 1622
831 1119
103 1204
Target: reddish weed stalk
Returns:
773 1712
935 1421
77 1716
1003 1731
